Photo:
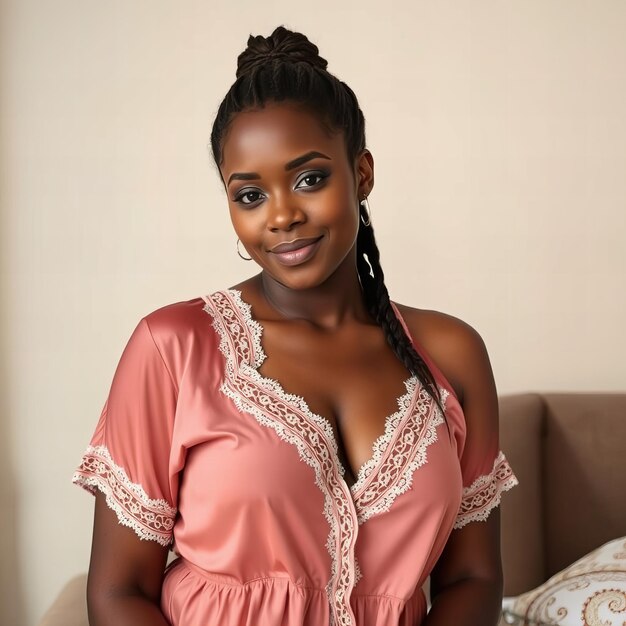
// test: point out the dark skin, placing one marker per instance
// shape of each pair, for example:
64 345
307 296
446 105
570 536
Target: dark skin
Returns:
318 305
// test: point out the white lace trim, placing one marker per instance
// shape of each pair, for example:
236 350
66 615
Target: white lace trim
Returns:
357 571
289 416
379 446
410 431
396 454
150 519
484 494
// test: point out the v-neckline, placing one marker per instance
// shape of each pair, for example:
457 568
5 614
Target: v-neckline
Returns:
405 401
396 455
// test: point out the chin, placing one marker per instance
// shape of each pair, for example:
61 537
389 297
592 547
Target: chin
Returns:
298 278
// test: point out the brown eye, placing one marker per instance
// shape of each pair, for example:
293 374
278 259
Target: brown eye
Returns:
311 179
248 197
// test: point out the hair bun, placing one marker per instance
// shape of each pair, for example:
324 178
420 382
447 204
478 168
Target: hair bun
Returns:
284 45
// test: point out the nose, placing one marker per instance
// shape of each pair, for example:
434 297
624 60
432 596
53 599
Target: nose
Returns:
284 213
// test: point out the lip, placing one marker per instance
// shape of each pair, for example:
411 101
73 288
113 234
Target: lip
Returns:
296 252
296 244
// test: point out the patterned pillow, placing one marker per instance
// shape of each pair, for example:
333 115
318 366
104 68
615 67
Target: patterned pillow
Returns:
590 592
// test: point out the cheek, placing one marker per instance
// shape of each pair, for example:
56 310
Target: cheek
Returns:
245 225
339 205
350 223
343 214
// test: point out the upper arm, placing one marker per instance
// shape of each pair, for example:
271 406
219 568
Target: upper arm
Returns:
127 467
473 548
121 563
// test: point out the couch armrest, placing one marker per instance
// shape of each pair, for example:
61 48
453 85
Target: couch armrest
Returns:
70 606
521 435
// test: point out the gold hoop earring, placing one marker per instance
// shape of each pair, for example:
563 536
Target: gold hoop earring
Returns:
245 258
365 205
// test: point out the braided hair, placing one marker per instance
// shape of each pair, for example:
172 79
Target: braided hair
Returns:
286 66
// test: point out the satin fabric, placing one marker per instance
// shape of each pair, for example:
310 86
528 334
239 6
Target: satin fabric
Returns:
196 450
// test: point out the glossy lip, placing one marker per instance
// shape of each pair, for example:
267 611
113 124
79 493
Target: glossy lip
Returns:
298 255
296 244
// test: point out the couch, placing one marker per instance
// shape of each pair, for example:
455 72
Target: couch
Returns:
568 451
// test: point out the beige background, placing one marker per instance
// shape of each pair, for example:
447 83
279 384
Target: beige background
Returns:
499 135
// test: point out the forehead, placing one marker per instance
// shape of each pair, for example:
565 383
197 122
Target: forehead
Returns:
276 134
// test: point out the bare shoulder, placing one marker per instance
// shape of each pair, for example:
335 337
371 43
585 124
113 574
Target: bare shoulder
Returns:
455 346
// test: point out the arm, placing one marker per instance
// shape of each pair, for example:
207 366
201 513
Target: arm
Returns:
466 583
125 574
126 467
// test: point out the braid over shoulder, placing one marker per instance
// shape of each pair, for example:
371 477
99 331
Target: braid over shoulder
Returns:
286 66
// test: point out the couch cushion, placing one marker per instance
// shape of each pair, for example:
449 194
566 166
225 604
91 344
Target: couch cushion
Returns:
521 424
585 474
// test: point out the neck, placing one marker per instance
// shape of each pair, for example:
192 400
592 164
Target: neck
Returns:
337 300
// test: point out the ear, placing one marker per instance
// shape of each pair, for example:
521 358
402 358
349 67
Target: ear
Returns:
364 173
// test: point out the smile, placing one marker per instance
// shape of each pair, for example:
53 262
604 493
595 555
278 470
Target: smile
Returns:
296 252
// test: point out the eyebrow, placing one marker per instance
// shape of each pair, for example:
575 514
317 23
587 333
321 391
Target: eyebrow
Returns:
289 166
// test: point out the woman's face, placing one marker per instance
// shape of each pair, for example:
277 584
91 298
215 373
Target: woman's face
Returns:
293 195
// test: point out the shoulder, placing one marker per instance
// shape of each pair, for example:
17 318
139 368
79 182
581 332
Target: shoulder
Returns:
178 328
455 346
175 317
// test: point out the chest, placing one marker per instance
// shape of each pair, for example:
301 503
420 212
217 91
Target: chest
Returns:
351 378
261 492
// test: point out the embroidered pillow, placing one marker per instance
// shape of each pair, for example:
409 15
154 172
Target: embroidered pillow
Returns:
590 592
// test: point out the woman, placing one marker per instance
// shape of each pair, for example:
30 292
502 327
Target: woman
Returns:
310 450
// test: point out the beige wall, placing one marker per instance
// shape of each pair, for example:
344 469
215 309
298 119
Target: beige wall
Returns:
499 134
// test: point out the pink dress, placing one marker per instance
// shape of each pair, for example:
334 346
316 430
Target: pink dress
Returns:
196 450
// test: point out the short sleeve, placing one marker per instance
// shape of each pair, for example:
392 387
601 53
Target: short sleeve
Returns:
128 456
482 493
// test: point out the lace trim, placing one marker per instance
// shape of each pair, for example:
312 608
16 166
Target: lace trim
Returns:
396 454
291 419
412 430
357 571
380 445
485 492
150 519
